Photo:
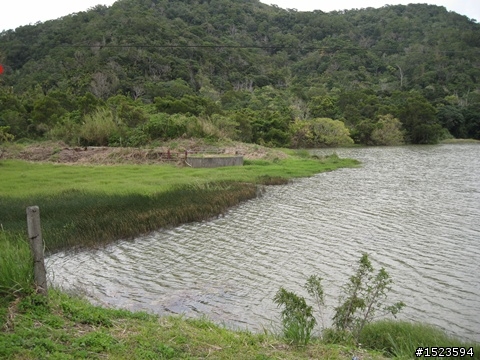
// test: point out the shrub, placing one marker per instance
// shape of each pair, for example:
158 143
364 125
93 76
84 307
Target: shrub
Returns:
98 127
320 132
365 294
5 136
164 126
297 317
387 131
364 297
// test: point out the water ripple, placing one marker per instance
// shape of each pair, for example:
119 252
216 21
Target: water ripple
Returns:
415 210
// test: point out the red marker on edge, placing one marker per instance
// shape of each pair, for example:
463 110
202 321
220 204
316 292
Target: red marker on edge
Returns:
1 69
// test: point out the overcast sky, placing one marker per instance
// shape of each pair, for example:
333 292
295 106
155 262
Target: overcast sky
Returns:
14 13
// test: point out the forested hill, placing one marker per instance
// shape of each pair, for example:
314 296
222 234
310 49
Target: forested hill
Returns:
155 69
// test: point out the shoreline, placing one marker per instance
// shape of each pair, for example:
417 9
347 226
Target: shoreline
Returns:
126 197
93 205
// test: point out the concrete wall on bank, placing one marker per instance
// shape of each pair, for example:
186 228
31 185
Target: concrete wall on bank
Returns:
211 162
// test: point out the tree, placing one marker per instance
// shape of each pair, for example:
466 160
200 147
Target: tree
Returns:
321 132
47 111
270 128
452 119
418 117
472 120
387 131
323 106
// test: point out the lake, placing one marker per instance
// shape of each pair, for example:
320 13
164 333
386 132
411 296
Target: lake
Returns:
414 209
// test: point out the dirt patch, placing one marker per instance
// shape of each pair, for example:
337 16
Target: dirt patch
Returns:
172 152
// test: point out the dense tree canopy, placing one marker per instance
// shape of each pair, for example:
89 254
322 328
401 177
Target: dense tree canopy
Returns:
244 70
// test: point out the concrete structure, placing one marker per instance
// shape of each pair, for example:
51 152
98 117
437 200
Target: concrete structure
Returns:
211 162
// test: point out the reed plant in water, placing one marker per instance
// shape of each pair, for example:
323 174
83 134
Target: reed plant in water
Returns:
76 218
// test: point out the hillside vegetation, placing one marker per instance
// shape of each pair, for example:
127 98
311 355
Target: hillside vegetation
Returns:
144 71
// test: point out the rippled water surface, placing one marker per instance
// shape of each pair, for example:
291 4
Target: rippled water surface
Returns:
415 210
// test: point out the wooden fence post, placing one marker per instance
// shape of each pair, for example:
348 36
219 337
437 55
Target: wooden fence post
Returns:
36 244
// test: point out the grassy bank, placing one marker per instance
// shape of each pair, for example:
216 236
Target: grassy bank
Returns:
69 328
401 339
89 206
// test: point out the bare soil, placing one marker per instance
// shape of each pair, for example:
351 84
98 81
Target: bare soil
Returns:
171 152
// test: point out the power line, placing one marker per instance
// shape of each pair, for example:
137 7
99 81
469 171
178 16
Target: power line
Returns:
265 47
261 47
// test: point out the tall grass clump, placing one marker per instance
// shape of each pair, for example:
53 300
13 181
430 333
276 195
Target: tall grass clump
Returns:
98 127
79 218
401 338
16 264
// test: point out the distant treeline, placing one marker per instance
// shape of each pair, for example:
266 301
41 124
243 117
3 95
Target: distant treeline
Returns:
141 71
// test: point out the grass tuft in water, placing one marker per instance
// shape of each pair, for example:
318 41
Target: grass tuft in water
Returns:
76 218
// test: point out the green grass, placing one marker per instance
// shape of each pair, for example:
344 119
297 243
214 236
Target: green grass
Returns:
16 264
400 339
23 179
67 327
94 205
78 218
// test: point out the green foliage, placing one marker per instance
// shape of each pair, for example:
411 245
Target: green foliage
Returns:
177 89
418 117
387 131
364 296
126 111
67 130
400 339
164 126
44 331
5 136
47 111
315 290
16 264
323 107
245 57
297 317
471 114
322 132
188 104
452 119
270 128
98 127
